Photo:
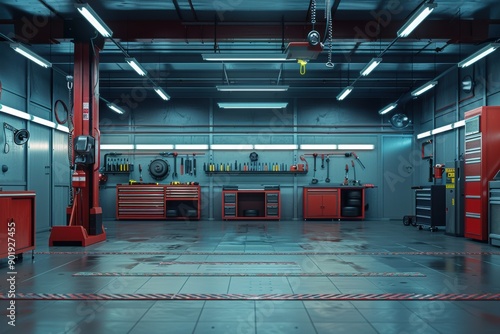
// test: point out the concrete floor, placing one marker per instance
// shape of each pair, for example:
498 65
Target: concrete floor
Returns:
258 277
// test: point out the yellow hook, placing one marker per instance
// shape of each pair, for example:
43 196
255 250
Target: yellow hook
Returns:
302 66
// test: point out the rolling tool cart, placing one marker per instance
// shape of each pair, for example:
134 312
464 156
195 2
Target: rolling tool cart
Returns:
430 207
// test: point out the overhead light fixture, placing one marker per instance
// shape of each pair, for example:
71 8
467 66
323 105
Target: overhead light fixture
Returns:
459 124
43 121
276 147
115 108
424 88
318 147
442 129
245 57
479 55
30 55
231 147
252 105
154 147
424 134
252 88
343 94
387 108
94 19
117 146
191 147
370 66
15 112
62 128
356 147
162 93
136 66
417 18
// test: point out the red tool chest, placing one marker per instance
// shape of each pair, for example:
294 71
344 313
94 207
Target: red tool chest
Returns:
482 162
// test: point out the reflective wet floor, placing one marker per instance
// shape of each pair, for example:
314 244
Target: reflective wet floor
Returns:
257 277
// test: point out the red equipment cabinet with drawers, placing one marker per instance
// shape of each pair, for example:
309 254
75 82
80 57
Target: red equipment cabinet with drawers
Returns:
482 162
150 201
17 221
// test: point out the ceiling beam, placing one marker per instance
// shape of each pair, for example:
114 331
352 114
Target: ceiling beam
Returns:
468 31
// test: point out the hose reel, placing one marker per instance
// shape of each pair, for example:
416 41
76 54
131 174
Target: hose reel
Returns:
21 136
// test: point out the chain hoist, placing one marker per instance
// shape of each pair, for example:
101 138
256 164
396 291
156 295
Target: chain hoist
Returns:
313 37
328 15
70 84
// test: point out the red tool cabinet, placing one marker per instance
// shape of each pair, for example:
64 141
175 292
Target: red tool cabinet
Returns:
144 201
17 221
482 162
341 202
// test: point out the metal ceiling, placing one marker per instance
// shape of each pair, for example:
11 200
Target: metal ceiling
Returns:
168 37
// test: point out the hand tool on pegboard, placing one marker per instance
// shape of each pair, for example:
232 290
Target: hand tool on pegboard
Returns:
322 161
358 160
327 180
140 173
355 181
174 174
182 166
314 180
194 164
346 177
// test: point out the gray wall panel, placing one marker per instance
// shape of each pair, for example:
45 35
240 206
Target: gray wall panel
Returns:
40 167
12 71
40 85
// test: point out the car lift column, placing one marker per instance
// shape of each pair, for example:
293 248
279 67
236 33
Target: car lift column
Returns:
86 227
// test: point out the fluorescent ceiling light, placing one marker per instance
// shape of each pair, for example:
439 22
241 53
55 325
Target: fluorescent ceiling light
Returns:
115 108
424 134
30 55
356 147
478 55
117 146
154 147
387 108
15 112
231 147
343 94
136 66
252 105
42 121
276 147
459 124
244 57
370 66
252 88
62 128
417 18
318 147
162 93
191 147
94 19
442 129
424 88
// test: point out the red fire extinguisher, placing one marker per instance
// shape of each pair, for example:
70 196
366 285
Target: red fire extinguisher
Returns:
438 171
78 179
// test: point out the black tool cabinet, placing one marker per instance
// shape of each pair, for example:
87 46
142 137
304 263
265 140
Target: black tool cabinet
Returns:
430 207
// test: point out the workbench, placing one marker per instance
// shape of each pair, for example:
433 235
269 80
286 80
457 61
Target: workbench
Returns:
333 202
251 204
